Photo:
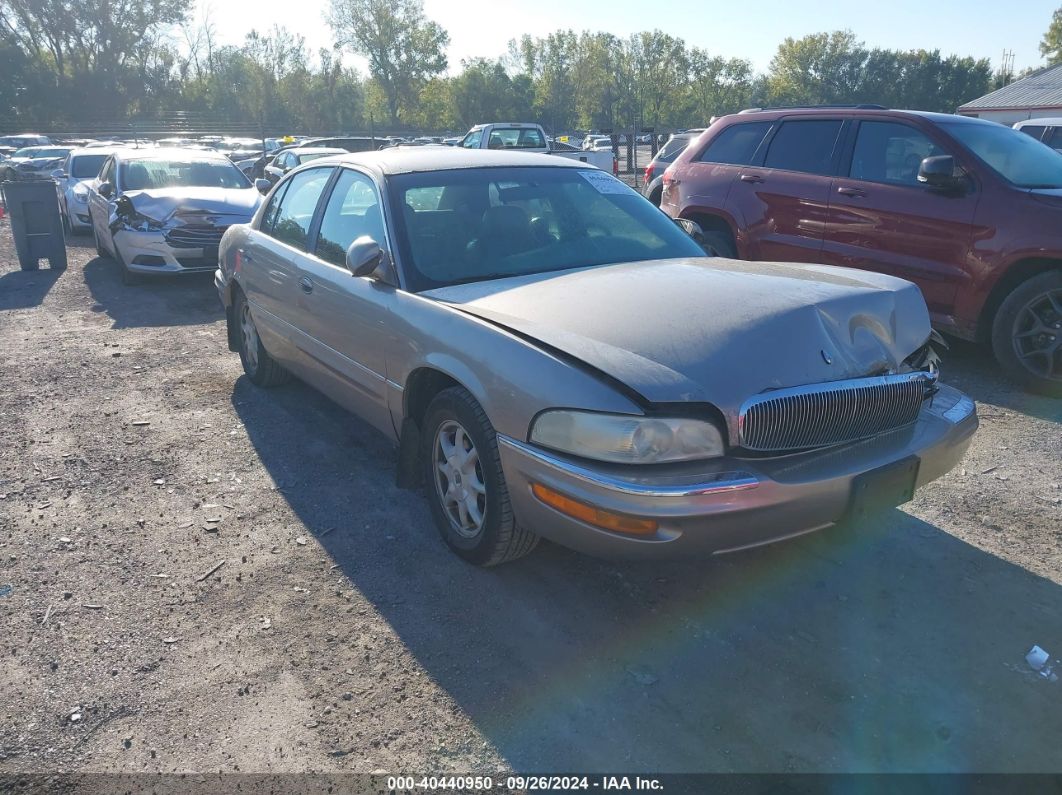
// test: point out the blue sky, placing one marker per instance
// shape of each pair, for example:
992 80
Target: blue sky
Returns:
982 28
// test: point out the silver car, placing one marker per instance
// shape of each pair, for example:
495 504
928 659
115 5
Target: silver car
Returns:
555 358
72 180
159 211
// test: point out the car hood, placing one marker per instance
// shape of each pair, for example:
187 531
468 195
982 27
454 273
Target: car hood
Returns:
712 329
162 203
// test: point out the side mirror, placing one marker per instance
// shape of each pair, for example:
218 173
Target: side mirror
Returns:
58 174
939 173
691 228
366 258
106 190
262 185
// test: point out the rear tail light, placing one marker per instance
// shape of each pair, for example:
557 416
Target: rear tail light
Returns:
615 166
649 169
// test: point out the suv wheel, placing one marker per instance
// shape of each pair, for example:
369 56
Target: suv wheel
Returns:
719 244
1027 334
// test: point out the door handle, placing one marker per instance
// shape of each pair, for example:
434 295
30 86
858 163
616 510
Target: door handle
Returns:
306 285
751 178
853 192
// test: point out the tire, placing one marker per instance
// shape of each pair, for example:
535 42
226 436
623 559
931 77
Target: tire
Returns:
656 196
129 277
100 252
454 415
1027 334
719 244
67 226
260 367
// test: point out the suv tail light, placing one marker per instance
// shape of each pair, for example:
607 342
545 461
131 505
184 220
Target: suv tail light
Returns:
649 169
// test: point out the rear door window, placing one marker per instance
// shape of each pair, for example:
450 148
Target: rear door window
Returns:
291 224
804 145
736 144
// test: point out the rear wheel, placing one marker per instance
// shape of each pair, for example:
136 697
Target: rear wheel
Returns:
1027 334
261 368
465 483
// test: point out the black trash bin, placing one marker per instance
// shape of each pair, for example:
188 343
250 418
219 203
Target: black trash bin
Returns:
35 223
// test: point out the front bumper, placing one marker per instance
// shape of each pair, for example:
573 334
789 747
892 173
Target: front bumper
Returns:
148 252
728 504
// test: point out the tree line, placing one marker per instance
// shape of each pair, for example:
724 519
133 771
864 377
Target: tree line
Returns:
65 63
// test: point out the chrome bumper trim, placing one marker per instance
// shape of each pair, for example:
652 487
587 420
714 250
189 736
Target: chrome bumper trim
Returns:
709 484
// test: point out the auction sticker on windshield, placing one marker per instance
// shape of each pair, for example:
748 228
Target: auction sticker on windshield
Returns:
605 183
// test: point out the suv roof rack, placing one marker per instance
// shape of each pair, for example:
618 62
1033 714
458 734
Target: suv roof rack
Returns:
862 106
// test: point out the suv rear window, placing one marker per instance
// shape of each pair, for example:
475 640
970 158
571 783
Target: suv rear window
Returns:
805 145
736 144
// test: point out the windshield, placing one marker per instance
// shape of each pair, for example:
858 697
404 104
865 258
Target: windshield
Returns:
1016 157
308 156
146 174
487 223
86 166
673 148
34 151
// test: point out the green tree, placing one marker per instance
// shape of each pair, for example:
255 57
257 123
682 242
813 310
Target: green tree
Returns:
100 55
404 48
1051 45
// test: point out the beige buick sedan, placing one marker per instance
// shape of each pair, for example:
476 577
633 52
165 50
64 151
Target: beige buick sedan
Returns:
556 359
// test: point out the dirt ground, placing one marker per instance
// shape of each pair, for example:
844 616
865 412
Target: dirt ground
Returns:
338 633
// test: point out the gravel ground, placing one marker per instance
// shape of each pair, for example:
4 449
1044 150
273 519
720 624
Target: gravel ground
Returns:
208 577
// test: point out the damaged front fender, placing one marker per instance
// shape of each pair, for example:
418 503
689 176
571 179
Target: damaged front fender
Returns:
124 216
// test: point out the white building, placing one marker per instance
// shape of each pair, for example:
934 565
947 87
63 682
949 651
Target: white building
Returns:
1037 96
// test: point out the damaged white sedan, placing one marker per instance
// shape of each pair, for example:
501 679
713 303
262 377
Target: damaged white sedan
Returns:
165 210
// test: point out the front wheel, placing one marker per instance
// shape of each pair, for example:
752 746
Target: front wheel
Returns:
465 483
1027 334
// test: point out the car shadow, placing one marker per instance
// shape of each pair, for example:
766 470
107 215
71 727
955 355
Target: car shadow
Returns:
888 647
26 289
973 369
181 300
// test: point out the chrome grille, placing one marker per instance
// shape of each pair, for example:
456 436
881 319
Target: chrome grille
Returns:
819 415
195 236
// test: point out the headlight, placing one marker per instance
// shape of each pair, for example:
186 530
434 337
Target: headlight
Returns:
81 196
627 439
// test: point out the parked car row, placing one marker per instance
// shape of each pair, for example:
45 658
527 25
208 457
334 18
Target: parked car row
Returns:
969 210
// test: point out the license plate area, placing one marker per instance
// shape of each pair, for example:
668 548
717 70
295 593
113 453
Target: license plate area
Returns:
884 487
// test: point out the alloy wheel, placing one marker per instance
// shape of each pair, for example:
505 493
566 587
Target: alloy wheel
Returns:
459 480
1037 336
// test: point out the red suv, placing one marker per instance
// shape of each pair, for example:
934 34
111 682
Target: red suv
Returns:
969 210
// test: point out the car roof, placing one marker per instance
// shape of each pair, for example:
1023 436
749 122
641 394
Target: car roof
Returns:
1054 121
854 110
403 160
93 150
167 153
331 150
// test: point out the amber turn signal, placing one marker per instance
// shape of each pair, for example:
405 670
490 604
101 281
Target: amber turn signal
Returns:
591 515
